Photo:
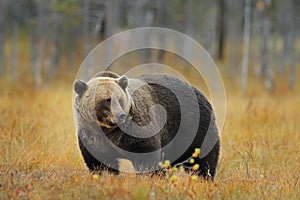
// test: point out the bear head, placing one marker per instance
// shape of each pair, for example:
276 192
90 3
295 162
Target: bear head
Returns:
103 99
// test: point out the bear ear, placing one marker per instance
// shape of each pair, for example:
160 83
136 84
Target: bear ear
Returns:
123 82
80 87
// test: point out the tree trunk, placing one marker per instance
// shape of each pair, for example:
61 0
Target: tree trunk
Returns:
14 57
86 21
221 28
292 57
99 28
112 20
37 44
161 7
56 42
208 31
266 71
286 21
2 32
247 18
235 13
189 26
136 17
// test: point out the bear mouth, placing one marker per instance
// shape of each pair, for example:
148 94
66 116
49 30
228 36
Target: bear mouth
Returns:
107 123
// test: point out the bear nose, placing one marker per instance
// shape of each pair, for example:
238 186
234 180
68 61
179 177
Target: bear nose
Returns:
122 116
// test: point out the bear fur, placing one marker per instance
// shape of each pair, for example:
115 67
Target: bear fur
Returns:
105 106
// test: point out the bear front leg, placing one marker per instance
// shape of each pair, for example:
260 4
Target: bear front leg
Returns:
142 165
94 165
145 164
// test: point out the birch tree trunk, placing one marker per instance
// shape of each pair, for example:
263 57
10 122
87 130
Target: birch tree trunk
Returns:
98 30
247 19
37 44
266 71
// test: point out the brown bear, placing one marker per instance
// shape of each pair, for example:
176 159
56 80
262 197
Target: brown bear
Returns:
147 119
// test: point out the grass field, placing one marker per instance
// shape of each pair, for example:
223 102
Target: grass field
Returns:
39 157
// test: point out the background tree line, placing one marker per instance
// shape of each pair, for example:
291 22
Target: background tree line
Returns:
40 38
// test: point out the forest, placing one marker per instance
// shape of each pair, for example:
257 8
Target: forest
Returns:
254 44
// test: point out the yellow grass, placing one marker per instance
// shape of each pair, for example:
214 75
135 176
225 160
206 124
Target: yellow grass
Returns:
39 157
